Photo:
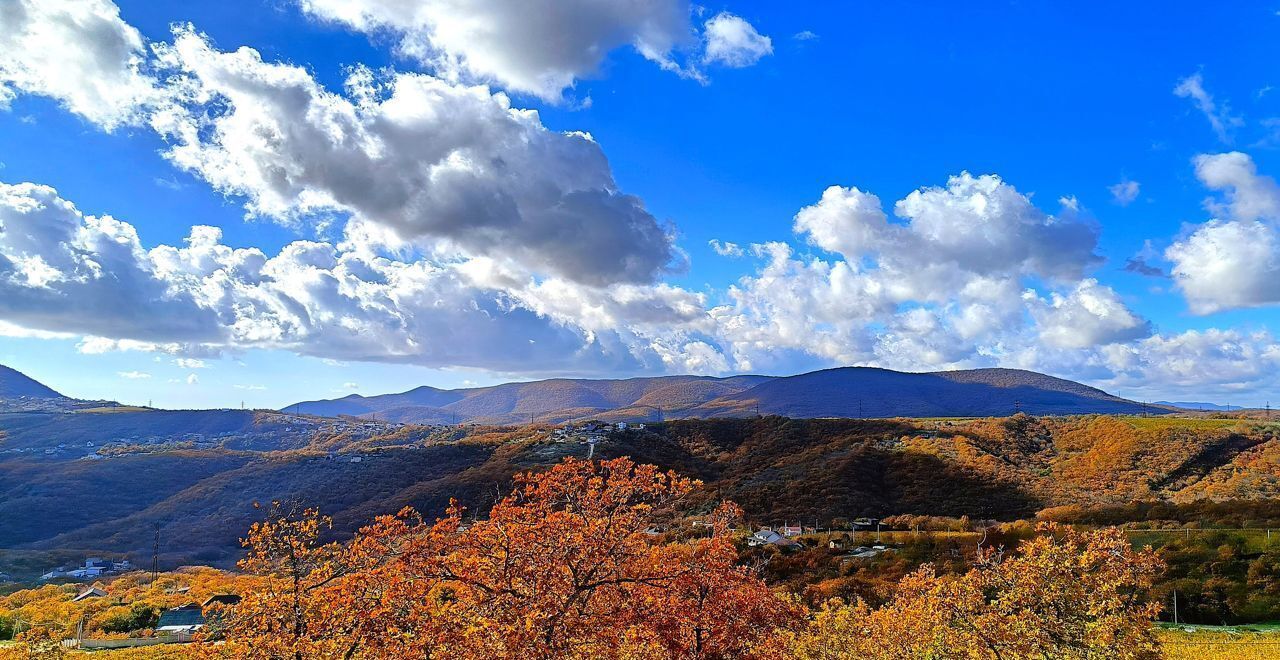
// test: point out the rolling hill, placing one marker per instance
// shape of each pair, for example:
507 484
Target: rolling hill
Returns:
868 392
842 392
556 400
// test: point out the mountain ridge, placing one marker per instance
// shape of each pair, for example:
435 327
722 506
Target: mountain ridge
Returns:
835 392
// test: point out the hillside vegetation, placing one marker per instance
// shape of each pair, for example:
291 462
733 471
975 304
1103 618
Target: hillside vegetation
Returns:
819 471
567 566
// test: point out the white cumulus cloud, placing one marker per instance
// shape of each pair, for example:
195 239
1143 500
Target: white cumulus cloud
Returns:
1090 315
78 52
1232 261
543 47
733 42
427 160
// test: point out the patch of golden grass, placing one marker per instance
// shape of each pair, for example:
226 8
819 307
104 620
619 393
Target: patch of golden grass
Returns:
1190 423
1219 644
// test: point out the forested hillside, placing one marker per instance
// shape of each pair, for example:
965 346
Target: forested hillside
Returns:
778 469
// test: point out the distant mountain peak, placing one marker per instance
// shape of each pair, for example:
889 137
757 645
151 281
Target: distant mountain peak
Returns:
14 384
1197 405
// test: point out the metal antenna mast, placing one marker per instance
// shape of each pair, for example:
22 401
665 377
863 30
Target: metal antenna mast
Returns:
155 555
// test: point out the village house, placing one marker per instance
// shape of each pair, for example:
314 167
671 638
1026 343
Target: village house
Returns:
186 619
91 592
767 536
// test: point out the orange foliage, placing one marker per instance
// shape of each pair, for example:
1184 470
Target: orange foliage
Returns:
561 568
1066 594
129 597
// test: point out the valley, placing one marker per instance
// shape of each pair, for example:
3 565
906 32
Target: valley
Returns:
82 481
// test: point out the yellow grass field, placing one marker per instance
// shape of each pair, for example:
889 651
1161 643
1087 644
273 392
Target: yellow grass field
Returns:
1188 423
1243 643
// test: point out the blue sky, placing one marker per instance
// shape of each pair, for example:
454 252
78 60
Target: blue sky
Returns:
720 136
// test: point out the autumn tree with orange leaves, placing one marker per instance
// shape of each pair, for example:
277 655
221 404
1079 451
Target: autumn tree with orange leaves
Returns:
561 568
1065 594
291 615
564 567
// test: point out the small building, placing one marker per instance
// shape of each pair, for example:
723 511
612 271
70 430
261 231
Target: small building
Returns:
791 530
188 618
91 592
225 600
764 537
767 536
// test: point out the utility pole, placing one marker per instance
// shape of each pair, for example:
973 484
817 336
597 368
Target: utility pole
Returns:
1175 607
155 555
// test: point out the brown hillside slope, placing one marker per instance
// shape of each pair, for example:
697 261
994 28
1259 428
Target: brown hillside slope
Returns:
778 469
